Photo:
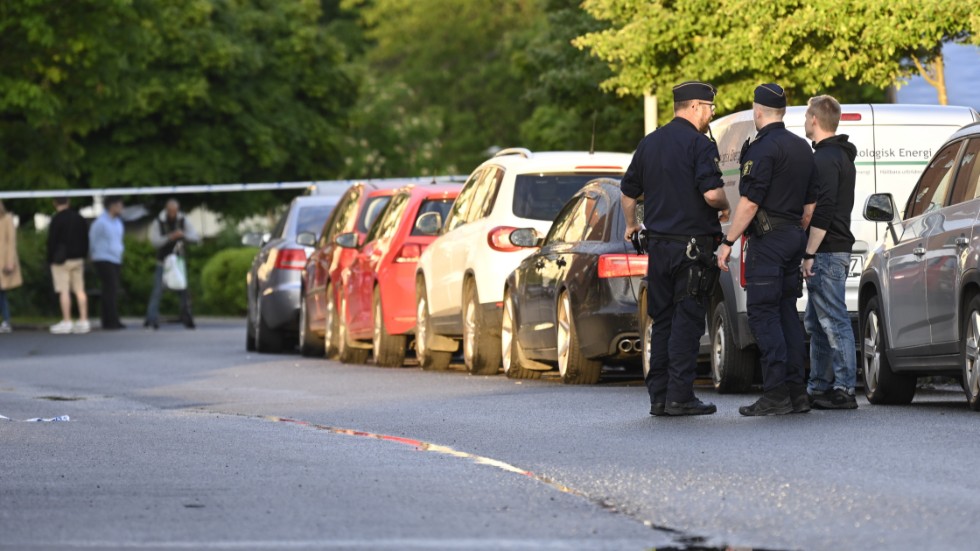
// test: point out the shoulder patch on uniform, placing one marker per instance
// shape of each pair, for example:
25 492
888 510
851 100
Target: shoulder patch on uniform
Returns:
746 168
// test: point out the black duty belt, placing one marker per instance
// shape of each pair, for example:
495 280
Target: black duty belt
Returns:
704 239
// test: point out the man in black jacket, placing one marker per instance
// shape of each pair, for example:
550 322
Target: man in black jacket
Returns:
67 249
827 259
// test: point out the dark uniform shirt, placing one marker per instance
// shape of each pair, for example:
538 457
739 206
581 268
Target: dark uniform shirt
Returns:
777 171
673 168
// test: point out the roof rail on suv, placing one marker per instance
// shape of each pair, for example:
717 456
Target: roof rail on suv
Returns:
523 152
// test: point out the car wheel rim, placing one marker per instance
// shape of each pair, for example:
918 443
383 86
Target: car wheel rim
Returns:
421 327
647 345
331 315
506 332
564 332
872 352
377 330
302 322
717 353
469 330
973 339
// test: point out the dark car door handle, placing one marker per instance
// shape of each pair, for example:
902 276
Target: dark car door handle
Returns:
561 262
962 241
919 251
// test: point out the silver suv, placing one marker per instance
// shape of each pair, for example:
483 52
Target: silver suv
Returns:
919 296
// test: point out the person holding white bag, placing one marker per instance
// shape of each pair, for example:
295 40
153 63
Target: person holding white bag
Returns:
169 233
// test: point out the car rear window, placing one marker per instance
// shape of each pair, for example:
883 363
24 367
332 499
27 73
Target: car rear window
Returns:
310 219
541 196
442 206
372 209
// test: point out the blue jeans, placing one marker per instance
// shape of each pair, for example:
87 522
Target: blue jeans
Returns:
153 309
833 361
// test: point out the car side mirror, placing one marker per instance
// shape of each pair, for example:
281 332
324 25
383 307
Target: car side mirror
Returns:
429 223
526 238
880 207
306 239
347 240
252 239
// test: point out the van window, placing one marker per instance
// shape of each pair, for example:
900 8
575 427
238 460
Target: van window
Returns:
930 192
965 187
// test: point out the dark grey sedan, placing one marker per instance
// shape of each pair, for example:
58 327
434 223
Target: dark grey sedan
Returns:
274 280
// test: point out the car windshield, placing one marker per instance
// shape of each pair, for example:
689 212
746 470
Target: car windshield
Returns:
310 219
370 212
541 196
441 206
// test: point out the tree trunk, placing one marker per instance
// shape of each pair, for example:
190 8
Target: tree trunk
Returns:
935 74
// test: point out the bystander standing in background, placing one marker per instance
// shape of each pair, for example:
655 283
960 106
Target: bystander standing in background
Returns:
67 249
10 277
106 245
169 233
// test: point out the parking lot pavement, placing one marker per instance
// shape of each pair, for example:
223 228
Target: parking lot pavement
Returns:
181 436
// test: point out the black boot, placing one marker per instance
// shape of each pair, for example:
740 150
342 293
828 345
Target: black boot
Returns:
694 407
799 398
772 402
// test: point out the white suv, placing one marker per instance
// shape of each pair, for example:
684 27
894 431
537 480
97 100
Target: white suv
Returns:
459 283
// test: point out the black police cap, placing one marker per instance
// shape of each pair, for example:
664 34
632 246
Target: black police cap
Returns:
694 90
770 95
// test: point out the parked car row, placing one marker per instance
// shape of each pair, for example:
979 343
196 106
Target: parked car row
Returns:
523 267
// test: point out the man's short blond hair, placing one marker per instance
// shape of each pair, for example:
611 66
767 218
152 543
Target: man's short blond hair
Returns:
827 111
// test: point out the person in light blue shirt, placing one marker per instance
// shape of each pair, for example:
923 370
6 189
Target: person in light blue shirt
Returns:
106 248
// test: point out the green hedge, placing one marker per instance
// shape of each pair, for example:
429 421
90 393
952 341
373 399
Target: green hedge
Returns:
223 279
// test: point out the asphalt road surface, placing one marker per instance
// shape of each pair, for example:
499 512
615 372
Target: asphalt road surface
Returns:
182 440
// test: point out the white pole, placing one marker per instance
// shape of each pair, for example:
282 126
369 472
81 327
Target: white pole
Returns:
649 113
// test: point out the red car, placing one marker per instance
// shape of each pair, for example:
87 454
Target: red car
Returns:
378 305
352 217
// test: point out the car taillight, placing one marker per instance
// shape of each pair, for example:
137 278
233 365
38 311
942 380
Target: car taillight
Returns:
622 265
290 259
850 116
499 239
410 252
744 244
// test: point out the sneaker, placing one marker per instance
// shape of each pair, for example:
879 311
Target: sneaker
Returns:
5 327
61 328
694 407
658 409
837 398
81 327
771 403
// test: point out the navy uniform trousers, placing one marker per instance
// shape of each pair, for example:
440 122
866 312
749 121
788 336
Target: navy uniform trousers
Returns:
772 276
677 325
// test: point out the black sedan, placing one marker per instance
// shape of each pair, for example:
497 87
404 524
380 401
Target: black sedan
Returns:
572 303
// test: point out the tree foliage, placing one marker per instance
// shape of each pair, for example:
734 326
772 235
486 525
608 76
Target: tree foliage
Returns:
808 47
100 93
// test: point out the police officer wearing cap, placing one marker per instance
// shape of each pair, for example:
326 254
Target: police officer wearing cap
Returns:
675 168
775 187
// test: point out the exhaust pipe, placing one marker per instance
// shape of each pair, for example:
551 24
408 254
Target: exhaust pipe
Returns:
625 346
637 345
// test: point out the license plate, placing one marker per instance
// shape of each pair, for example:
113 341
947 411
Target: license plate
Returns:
857 264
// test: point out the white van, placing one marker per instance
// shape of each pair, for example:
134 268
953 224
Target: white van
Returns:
894 144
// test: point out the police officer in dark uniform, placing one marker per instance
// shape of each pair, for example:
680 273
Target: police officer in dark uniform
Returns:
775 186
675 169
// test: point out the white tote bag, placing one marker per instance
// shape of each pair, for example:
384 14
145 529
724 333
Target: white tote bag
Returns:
174 272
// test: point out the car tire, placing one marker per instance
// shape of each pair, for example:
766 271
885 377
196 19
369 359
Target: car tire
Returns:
970 354
249 333
481 348
732 368
267 339
331 326
309 344
345 352
429 359
511 351
881 384
389 350
574 368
